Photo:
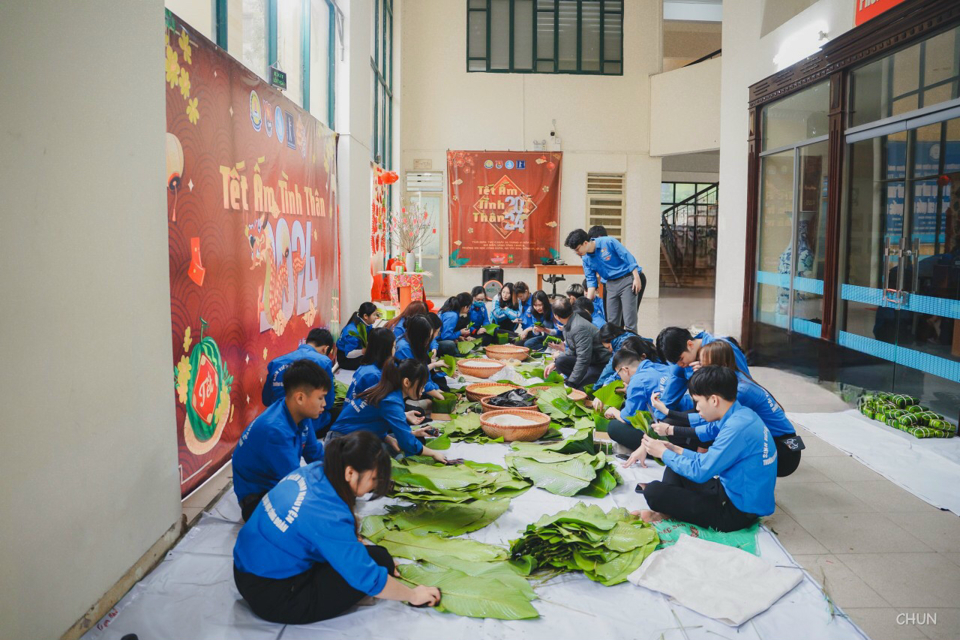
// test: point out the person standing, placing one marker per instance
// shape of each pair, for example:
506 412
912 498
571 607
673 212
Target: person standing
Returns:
606 257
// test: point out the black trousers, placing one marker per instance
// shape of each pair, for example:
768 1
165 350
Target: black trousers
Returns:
565 364
348 364
630 437
320 593
705 505
249 504
447 348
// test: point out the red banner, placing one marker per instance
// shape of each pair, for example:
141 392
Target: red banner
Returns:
504 207
253 222
869 9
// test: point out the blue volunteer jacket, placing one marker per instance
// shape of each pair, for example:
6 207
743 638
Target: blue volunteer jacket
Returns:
303 522
608 375
364 377
405 352
753 397
270 448
449 330
400 328
599 315
610 259
348 343
273 387
743 455
505 313
674 392
478 315
530 317
388 418
644 383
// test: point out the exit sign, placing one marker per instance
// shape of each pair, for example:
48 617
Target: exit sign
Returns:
868 9
278 78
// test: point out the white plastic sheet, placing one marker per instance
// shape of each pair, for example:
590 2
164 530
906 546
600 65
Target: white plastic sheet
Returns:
927 468
192 594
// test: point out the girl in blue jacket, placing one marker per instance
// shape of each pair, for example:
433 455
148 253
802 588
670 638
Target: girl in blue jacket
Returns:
455 323
349 348
298 559
506 309
399 323
477 314
415 345
381 344
749 394
380 410
538 322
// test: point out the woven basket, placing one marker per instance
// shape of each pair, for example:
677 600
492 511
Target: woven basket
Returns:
467 367
511 434
487 407
575 395
507 352
475 396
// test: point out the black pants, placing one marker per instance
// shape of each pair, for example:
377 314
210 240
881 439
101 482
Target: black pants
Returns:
249 504
565 364
447 348
630 437
320 593
348 364
705 505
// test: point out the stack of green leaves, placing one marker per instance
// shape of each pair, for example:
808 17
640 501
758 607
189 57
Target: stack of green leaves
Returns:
420 479
562 410
466 428
466 346
580 441
535 370
443 518
606 547
566 474
339 393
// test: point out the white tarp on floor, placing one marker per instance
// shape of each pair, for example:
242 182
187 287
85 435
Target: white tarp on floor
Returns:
192 595
928 468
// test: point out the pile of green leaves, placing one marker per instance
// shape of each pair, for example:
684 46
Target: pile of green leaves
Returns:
466 346
339 393
466 428
566 474
535 370
442 518
420 479
581 441
606 547
562 410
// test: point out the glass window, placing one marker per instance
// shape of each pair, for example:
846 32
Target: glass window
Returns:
289 46
381 147
796 118
545 36
255 36
322 57
811 235
922 75
775 238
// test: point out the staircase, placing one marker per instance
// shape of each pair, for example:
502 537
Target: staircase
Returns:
688 241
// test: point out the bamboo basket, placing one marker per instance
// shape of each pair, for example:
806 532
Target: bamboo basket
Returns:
527 433
469 368
507 352
476 396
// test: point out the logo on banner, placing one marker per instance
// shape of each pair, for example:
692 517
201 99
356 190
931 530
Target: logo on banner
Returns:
508 164
488 164
521 164
291 132
278 123
504 206
256 116
499 165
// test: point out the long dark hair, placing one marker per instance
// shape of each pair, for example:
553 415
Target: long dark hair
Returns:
642 347
365 309
415 308
609 332
418 334
380 343
394 373
544 299
363 451
477 290
452 304
513 296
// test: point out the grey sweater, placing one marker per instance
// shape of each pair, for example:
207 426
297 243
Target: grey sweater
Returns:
583 341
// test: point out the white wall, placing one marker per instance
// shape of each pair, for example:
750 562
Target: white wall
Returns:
747 59
603 121
89 458
684 113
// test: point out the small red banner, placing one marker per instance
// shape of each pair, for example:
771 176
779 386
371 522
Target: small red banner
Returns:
869 9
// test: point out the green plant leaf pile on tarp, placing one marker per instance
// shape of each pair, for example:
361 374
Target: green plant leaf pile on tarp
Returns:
466 346
535 370
429 546
420 479
444 519
339 393
562 410
466 428
606 547
566 474
581 441
475 589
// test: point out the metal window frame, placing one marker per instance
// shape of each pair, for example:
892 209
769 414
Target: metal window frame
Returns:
555 60
381 63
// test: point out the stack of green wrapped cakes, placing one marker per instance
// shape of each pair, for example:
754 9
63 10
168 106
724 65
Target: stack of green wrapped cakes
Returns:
905 413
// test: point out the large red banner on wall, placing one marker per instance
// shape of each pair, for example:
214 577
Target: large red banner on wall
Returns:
504 207
253 221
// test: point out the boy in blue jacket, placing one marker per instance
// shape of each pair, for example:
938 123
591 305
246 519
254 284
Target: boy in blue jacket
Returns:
616 267
731 485
272 445
318 347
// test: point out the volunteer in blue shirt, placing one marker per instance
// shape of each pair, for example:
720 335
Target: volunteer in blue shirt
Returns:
678 347
399 323
381 344
477 315
731 485
617 268
538 322
749 394
522 291
415 345
272 445
596 316
455 324
350 347
299 560
380 410
507 309
317 348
